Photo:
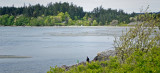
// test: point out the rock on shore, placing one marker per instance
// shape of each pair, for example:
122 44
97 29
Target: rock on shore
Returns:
102 56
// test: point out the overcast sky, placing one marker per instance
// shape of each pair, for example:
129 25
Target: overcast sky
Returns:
88 5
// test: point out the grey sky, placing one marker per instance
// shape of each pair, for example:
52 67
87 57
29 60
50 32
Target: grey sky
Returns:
88 5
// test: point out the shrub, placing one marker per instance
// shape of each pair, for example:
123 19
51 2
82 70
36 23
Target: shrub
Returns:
143 37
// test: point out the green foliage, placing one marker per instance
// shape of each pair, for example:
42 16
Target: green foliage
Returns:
70 22
39 21
21 20
4 20
100 23
79 22
86 23
141 61
63 12
143 37
10 20
66 17
39 10
95 23
158 17
102 15
55 70
138 62
85 17
138 51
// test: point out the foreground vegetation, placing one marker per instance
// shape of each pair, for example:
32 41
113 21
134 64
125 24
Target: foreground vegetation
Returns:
138 51
138 62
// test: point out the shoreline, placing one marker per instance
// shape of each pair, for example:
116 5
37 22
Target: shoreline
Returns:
77 26
66 26
102 56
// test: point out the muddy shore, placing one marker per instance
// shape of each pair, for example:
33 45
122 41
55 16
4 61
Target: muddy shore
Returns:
13 56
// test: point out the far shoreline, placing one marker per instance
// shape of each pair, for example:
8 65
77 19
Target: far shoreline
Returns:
75 26
66 26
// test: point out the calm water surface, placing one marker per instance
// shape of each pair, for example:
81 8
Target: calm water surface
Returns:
51 46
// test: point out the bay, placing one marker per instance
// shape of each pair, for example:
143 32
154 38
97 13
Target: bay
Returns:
51 46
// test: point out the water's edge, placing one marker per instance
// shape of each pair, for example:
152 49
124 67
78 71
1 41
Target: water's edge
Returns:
102 56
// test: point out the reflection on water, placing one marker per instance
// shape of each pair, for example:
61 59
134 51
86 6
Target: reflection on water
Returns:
51 46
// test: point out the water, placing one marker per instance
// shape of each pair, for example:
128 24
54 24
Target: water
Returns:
51 46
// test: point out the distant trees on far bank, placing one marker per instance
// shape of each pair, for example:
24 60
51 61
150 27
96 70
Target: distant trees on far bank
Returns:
61 14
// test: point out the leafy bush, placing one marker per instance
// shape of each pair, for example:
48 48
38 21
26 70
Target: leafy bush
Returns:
55 70
143 37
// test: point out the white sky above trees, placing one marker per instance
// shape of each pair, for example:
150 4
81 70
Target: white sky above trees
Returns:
128 6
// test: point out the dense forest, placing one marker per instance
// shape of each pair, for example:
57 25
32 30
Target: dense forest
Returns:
61 14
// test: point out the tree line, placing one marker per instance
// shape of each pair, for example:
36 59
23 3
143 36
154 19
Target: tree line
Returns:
39 10
61 14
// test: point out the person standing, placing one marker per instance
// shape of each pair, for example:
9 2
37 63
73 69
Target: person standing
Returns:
87 59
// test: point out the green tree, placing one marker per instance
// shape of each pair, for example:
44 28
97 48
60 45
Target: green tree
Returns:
33 22
106 23
21 20
1 20
94 23
100 23
61 14
39 21
79 22
10 20
85 17
52 21
58 19
75 18
4 19
47 21
67 17
70 22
